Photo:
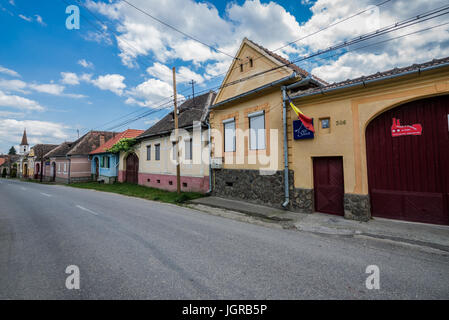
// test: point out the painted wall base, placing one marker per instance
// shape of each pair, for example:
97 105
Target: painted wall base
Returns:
168 182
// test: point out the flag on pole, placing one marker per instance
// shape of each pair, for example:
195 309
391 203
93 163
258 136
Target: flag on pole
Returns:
306 121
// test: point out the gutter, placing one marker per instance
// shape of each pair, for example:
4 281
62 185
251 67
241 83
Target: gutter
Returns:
266 86
363 82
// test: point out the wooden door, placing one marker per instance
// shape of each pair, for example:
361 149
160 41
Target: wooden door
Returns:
132 168
408 173
328 184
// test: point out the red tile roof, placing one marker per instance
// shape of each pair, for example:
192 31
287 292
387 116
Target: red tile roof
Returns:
2 161
130 133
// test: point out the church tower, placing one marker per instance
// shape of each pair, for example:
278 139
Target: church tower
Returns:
24 147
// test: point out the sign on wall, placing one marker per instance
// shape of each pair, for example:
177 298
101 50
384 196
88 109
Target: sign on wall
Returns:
300 131
408 130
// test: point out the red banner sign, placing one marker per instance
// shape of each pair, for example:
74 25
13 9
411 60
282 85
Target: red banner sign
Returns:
397 130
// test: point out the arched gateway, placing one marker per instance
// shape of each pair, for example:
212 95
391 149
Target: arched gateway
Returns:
407 151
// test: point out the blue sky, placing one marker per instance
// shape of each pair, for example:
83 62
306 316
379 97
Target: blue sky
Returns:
55 81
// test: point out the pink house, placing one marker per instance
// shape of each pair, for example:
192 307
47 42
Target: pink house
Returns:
69 162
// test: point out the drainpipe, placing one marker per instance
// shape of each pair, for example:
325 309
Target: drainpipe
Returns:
210 165
284 89
284 116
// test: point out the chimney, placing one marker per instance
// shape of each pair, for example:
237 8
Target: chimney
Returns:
101 140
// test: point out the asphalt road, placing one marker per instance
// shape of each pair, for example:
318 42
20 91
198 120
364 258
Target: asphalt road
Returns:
129 248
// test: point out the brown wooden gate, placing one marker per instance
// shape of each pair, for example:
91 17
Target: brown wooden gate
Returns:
328 184
132 168
408 175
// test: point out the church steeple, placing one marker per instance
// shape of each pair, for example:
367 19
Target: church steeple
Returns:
24 138
24 147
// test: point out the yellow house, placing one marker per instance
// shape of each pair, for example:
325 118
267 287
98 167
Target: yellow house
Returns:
247 127
381 145
379 148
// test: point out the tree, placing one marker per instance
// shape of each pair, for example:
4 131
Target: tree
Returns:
12 151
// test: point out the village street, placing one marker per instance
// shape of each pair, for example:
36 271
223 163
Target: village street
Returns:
132 248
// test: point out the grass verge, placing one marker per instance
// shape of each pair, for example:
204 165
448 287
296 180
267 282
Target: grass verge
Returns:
139 191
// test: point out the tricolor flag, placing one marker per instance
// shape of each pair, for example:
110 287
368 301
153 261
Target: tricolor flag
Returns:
306 121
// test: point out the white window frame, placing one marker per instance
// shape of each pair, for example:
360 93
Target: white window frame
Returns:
65 167
189 149
225 123
157 152
259 144
149 152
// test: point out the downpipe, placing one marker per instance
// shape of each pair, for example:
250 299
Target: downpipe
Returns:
284 116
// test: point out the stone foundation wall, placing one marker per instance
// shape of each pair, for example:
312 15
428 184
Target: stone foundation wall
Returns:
357 207
80 179
249 185
301 200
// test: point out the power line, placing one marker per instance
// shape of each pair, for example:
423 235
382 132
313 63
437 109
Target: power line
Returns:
355 49
307 36
214 77
382 31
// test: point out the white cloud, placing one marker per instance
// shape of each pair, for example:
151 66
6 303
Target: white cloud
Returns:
111 82
6 114
14 101
183 75
50 88
40 20
150 93
13 85
85 63
11 131
11 2
9 72
70 78
272 26
29 19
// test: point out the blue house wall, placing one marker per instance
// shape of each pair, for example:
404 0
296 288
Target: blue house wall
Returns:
106 173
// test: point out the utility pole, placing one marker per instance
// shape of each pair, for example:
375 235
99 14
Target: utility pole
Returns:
175 116
193 90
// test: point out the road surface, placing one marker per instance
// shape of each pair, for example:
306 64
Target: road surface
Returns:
128 248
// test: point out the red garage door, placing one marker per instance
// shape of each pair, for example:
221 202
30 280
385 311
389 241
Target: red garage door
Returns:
328 184
407 152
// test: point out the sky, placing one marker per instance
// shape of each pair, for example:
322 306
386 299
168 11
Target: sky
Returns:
58 83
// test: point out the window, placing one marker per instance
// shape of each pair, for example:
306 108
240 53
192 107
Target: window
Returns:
105 161
241 67
174 156
59 167
251 62
229 135
257 130
101 162
157 151
149 152
65 167
189 149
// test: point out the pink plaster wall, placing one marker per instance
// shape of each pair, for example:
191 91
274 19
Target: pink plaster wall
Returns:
197 184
